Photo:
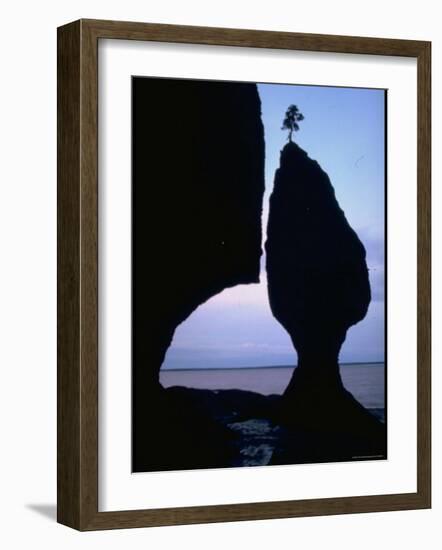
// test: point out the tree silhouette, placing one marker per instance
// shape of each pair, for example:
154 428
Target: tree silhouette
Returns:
291 119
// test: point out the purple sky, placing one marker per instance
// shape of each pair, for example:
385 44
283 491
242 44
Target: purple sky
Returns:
344 131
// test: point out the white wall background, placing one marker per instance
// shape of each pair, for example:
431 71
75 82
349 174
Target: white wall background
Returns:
28 272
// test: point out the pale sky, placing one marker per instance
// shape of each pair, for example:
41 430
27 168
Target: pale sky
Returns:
344 131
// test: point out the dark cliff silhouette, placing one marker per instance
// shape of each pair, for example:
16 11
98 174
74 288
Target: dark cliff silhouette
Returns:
198 183
318 287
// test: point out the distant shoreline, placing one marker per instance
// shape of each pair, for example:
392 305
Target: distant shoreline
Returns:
265 367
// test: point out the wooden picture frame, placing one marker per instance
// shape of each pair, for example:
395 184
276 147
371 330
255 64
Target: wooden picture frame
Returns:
78 274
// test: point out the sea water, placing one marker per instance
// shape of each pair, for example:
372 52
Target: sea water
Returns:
366 381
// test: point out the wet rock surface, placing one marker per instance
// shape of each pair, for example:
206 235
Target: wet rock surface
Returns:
198 183
198 429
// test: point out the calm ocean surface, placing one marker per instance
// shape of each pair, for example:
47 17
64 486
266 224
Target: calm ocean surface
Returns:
364 380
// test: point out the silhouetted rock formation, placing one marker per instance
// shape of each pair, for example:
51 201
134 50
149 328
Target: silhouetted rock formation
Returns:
318 287
198 182
210 429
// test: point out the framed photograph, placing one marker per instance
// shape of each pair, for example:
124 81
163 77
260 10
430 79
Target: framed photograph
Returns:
243 274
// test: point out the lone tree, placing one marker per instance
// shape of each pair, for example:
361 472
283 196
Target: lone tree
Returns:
291 119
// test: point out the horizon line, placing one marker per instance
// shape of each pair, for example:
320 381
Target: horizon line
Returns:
266 367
